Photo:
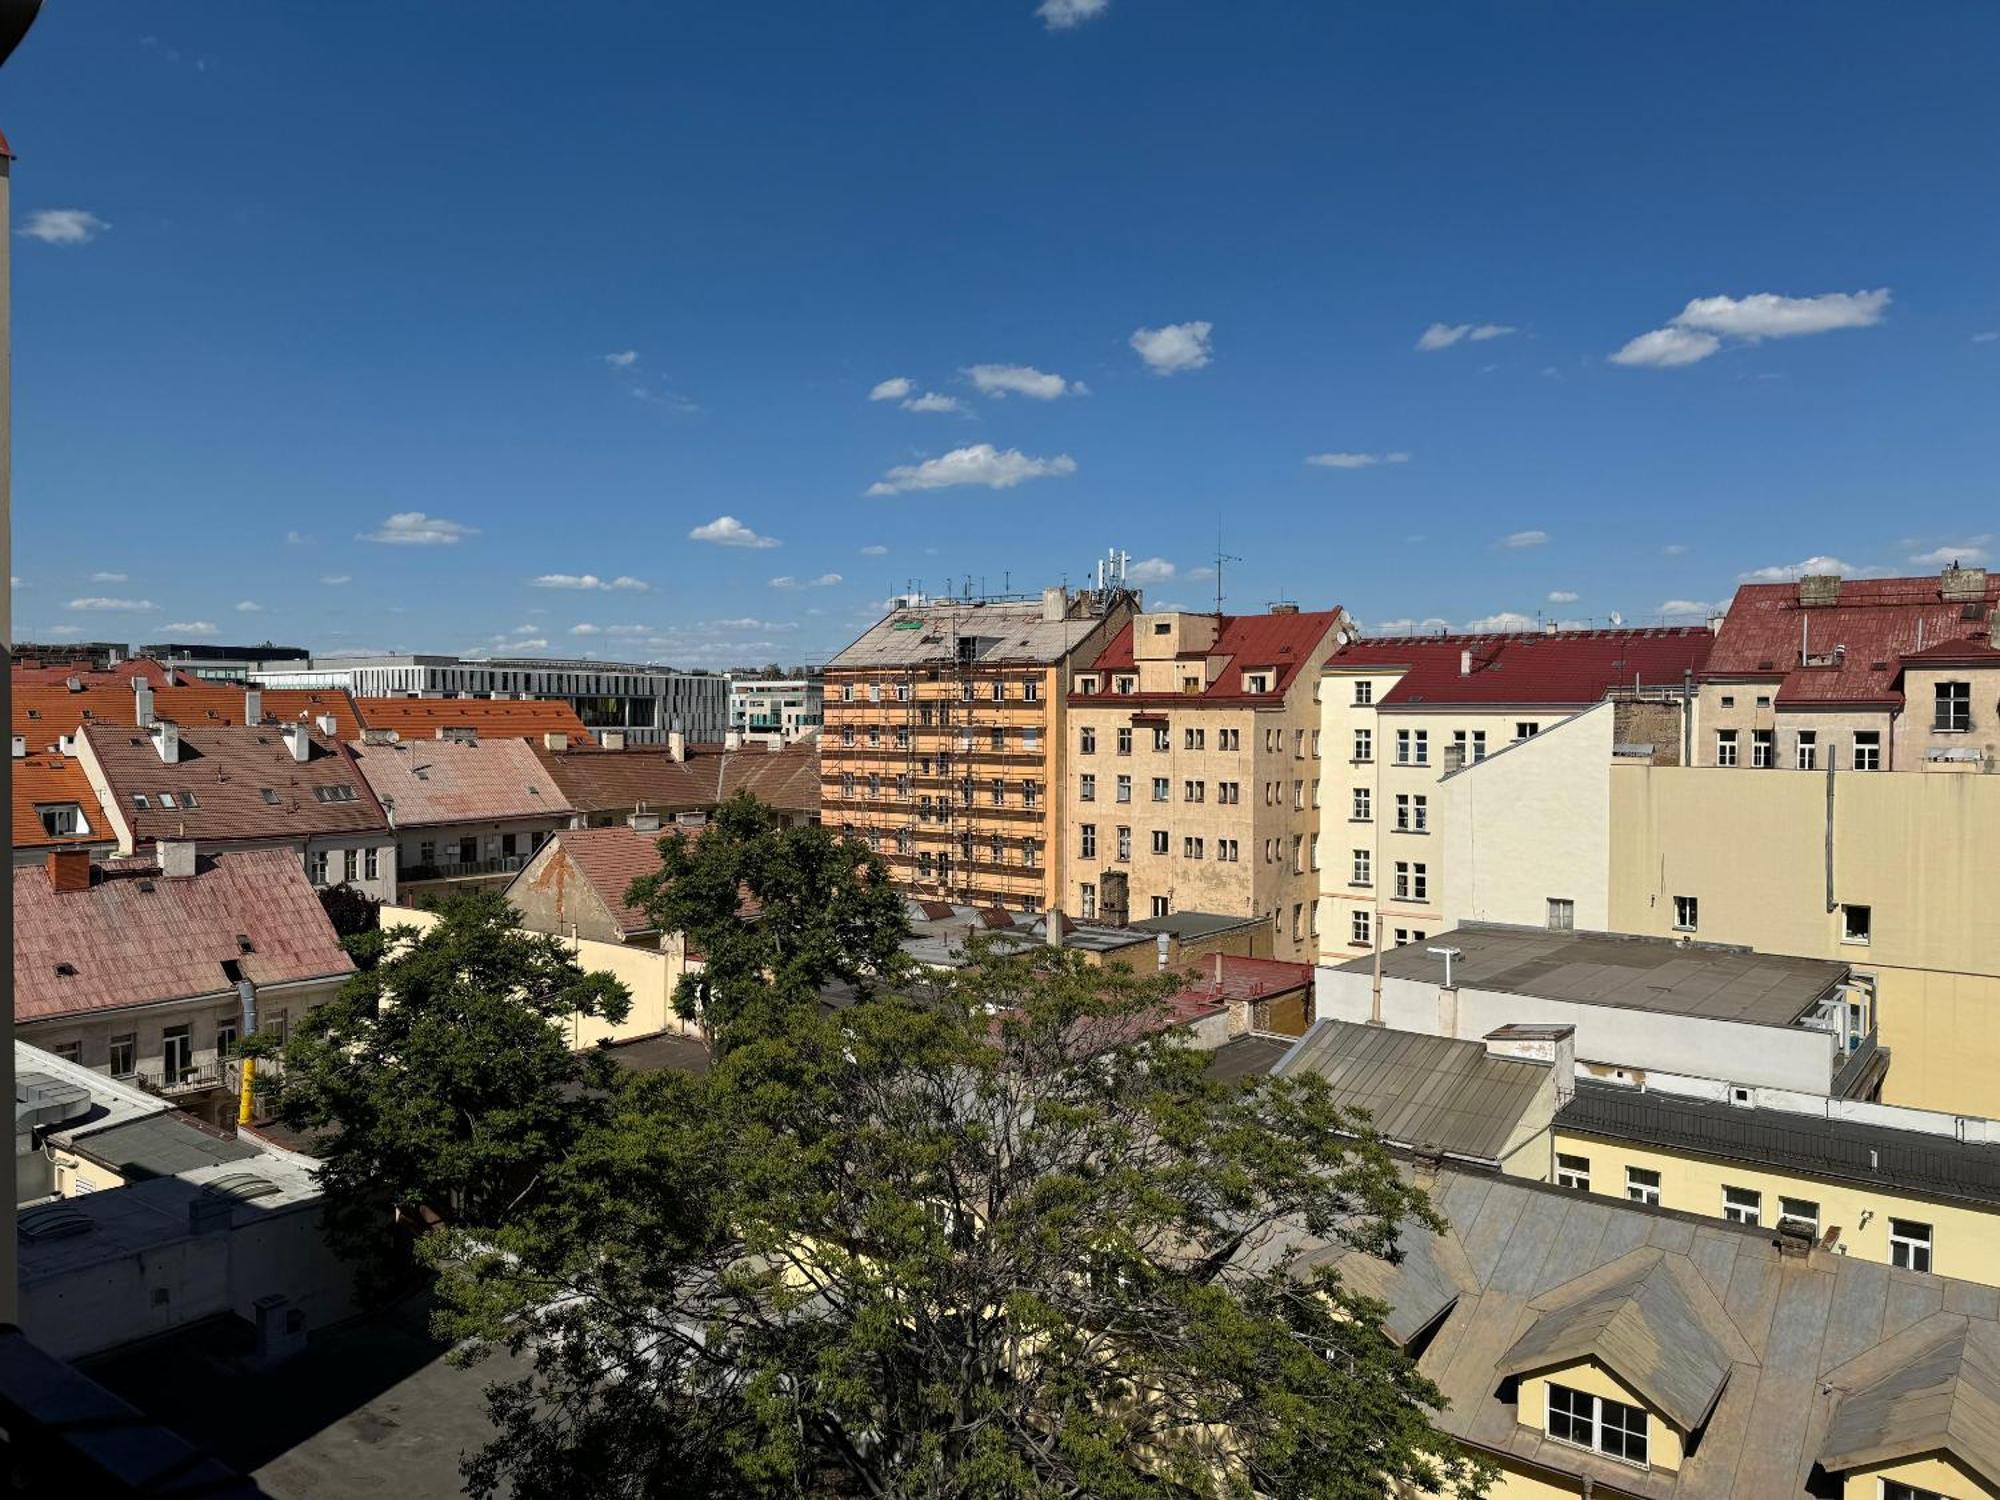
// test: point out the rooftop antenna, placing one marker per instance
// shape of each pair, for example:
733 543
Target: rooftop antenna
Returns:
1221 557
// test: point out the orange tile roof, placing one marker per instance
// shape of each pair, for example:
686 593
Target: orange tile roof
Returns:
44 704
41 778
496 718
442 781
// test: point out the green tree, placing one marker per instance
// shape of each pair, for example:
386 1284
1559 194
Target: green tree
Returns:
440 1077
1007 1240
823 910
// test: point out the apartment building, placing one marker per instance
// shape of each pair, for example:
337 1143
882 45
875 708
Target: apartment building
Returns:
790 707
1875 674
1396 715
946 741
1194 770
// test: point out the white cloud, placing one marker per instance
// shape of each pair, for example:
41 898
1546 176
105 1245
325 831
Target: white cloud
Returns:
585 628
727 531
335 580
628 630
1990 336
893 389
622 584
1700 607
1065 15
1768 316
1174 348
1444 335
981 463
1787 572
60 630
1519 539
1675 549
1667 348
98 601
1022 380
1506 620
876 550
189 627
412 528
1151 570
249 607
1973 553
534 643
932 401
1561 596
1355 460
107 577
297 539
824 581
63 226
624 359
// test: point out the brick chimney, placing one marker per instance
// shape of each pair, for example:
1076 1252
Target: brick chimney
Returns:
69 870
1958 585
1818 589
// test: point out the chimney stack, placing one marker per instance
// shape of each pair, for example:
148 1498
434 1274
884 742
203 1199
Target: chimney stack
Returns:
733 740
142 703
253 706
1957 585
1819 589
1055 605
20 746
641 821
1543 1043
298 741
176 856
677 747
69 870
328 725
1465 661
555 739
167 740
1052 927
611 739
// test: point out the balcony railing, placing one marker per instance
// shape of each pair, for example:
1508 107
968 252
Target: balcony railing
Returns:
171 1082
503 864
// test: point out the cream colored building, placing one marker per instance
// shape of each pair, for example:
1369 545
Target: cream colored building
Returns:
1398 715
1194 768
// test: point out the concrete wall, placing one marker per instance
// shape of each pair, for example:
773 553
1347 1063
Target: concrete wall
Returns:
1532 824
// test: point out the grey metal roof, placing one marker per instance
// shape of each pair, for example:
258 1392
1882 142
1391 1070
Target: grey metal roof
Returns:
1003 632
1939 1166
1429 1093
1944 1397
1791 1324
1193 924
1654 1326
1247 1057
1640 973
163 1145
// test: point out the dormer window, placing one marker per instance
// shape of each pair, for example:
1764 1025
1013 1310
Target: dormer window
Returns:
1256 682
1598 1423
1086 684
1124 684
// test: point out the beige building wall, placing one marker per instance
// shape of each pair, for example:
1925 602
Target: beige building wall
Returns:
1664 1445
1917 851
1906 738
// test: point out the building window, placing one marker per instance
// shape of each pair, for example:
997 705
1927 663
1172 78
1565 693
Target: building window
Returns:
1229 739
350 865
1160 837
1160 740
1364 693
1412 881
1087 901
1191 848
1763 748
1194 791
1194 739
225 1039
176 1053
1358 929
1125 741
1562 914
1087 840
1364 801
68 1051
1909 1245
1364 745
1808 750
1573 1172
999 690
316 866
1086 788
1315 851
1364 868
1412 812
1868 750
124 1055
1642 1185
1031 690
1526 729
1229 791
1856 923
1124 788
1124 842
1725 747
1895 1489
1087 741
1598 1423
1742 1205
1159 906
1799 1213
1728 700
1160 789
1954 708
1315 745
1687 913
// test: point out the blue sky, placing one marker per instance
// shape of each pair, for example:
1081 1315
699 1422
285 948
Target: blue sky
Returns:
439 299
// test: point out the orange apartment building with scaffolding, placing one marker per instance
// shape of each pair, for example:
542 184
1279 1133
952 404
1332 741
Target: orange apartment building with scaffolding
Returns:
944 745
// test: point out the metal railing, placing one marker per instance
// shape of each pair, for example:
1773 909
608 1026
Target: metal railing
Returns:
502 864
159 1078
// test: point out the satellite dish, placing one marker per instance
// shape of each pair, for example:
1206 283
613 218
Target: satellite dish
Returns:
1616 619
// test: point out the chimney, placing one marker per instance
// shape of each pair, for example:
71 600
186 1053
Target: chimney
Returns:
1958 585
176 856
555 739
1055 605
611 739
1548 1043
20 746
1163 947
253 706
1819 589
733 740
677 747
142 703
298 741
1284 609
1552 627
1052 922
1465 661
327 725
69 870
167 740
641 821
1218 970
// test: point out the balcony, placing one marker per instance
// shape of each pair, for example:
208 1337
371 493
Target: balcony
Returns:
477 869
178 1083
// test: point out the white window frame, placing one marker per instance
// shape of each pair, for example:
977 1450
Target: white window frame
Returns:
1638 1190
1595 1405
1572 1172
1741 1205
1911 1245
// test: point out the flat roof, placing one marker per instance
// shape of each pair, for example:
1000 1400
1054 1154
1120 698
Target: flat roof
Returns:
1193 924
1247 1057
1637 973
1938 1166
162 1145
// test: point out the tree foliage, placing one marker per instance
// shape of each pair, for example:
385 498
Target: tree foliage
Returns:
440 1076
1005 1240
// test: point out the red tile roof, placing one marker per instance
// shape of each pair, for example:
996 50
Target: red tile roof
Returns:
492 718
230 769
1243 979
610 859
601 781
107 696
1880 622
1281 642
41 779
1571 668
446 781
136 936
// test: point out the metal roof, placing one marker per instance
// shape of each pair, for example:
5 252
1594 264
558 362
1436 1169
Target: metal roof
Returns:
1938 1166
1193 924
1429 1093
1008 631
1945 1397
1246 1057
162 1145
1638 973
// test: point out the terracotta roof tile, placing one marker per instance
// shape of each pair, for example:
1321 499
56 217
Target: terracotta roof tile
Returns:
1570 668
41 779
136 936
608 781
446 781
492 718
1281 642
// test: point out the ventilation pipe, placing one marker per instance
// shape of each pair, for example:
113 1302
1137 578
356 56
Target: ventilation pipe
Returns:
142 703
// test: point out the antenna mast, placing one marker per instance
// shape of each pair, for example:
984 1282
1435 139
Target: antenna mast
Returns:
1221 557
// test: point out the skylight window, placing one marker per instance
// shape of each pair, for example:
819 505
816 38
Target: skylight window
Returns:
269 795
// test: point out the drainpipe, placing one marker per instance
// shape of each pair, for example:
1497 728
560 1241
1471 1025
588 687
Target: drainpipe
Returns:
1687 716
246 991
1375 988
1829 828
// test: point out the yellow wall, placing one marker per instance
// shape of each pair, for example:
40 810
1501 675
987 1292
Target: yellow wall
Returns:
1663 1443
1965 1241
1917 848
1938 1473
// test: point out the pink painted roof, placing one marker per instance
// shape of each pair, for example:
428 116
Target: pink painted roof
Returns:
445 781
1280 642
1570 668
136 936
1880 621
